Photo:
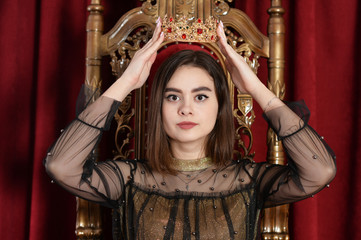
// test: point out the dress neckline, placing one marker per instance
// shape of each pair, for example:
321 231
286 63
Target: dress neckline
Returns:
192 164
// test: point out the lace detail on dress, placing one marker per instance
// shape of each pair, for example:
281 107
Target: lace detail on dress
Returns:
311 162
71 159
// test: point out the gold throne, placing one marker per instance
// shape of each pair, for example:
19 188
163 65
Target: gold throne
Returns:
132 31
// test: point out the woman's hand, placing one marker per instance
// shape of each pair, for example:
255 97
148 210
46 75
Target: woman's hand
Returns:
242 75
139 68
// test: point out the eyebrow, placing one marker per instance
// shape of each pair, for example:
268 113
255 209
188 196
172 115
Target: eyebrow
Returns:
198 89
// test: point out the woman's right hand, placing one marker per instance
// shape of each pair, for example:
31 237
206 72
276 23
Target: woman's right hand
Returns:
139 68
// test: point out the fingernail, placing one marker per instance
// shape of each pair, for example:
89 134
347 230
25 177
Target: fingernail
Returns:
158 20
161 34
222 24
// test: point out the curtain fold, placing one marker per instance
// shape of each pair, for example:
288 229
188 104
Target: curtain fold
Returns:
17 112
42 69
303 85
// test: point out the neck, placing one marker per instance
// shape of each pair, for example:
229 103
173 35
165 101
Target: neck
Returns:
187 150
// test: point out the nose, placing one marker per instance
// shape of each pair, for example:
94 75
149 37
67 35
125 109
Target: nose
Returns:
185 108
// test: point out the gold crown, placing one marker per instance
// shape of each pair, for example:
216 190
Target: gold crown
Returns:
182 30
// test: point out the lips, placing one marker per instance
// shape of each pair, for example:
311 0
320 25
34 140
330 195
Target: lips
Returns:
187 125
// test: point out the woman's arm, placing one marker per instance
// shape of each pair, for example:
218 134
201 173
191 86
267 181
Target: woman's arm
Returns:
311 163
243 77
139 68
71 159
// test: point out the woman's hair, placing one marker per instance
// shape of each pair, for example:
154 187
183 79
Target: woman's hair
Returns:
220 141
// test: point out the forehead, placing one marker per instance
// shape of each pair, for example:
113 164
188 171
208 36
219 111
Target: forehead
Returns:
190 76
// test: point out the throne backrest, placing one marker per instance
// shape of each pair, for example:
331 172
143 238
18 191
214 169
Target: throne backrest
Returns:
135 28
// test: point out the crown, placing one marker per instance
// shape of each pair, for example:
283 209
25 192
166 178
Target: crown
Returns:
181 29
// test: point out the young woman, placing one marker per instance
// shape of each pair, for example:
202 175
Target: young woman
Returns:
188 187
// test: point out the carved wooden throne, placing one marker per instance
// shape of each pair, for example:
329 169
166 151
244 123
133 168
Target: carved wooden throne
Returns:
132 31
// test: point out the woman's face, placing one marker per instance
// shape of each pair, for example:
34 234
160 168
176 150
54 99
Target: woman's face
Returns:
190 106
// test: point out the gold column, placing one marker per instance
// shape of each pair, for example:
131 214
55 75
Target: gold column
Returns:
88 220
275 221
94 30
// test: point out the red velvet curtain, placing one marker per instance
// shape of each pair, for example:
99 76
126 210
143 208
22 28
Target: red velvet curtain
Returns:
42 69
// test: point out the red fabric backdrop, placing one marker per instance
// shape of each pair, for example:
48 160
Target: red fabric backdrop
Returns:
42 69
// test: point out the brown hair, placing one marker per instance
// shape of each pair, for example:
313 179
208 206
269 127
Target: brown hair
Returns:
220 140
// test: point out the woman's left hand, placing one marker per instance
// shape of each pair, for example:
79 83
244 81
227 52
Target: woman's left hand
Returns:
242 75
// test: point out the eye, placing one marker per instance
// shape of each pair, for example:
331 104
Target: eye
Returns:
172 98
201 97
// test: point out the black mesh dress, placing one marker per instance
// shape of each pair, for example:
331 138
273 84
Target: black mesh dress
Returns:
203 202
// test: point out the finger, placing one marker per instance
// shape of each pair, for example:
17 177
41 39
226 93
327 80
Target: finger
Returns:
157 41
156 37
222 42
147 50
226 49
157 29
221 34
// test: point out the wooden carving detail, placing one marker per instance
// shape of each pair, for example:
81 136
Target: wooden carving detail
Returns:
278 87
245 116
275 221
242 48
243 108
185 8
121 57
149 8
88 217
120 60
221 7
124 132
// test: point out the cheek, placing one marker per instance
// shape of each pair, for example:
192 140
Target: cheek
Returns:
211 115
213 112
165 118
165 112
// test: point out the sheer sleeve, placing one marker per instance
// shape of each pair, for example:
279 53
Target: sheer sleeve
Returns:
311 163
71 159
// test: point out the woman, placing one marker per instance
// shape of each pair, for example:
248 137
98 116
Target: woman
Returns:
188 187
